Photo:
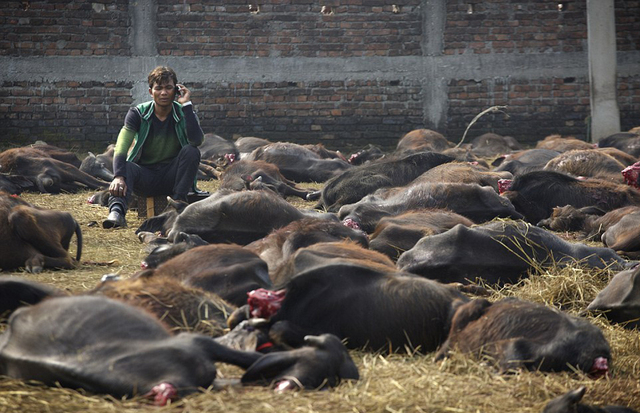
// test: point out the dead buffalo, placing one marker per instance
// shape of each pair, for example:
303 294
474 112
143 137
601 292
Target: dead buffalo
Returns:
163 222
322 362
161 250
563 144
299 163
421 140
16 292
624 236
180 307
517 334
214 148
280 244
105 346
367 154
47 174
248 144
322 253
101 165
57 153
478 203
229 271
535 194
570 403
498 252
378 310
463 172
526 161
619 301
35 238
14 184
587 163
246 174
397 234
237 217
354 184
489 145
628 142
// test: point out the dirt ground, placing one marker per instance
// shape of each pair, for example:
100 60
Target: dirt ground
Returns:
389 383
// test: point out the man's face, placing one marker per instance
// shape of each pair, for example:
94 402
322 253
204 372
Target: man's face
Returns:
163 94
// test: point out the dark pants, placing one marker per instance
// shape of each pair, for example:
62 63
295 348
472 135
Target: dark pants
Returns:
174 178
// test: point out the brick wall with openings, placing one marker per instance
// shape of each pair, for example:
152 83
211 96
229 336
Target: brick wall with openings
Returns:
64 28
341 110
289 28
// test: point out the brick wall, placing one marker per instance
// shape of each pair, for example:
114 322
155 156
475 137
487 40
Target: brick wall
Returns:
77 115
337 113
64 28
535 107
502 26
71 108
289 28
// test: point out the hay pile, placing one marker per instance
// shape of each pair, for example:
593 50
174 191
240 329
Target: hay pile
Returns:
393 383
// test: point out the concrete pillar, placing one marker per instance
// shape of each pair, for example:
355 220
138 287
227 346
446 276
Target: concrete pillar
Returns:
143 38
434 83
601 30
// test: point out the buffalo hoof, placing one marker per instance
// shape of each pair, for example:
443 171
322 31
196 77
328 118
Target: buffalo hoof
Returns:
114 220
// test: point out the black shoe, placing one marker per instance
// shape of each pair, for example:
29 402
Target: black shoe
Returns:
115 220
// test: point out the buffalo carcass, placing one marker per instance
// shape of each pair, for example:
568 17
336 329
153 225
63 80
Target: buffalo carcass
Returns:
180 307
397 234
366 154
619 301
563 144
227 270
214 148
322 253
35 238
354 184
105 346
587 163
47 174
161 250
14 184
522 162
370 308
490 145
246 174
237 217
280 244
535 194
618 229
421 140
517 334
101 165
55 152
248 144
16 292
463 172
299 163
570 403
478 203
628 142
498 252
322 362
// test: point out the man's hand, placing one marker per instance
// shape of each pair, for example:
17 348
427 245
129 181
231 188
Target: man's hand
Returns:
118 187
184 95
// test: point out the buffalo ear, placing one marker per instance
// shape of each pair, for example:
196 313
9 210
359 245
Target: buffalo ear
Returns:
565 403
269 367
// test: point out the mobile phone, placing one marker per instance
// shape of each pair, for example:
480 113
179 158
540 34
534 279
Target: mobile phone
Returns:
178 94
